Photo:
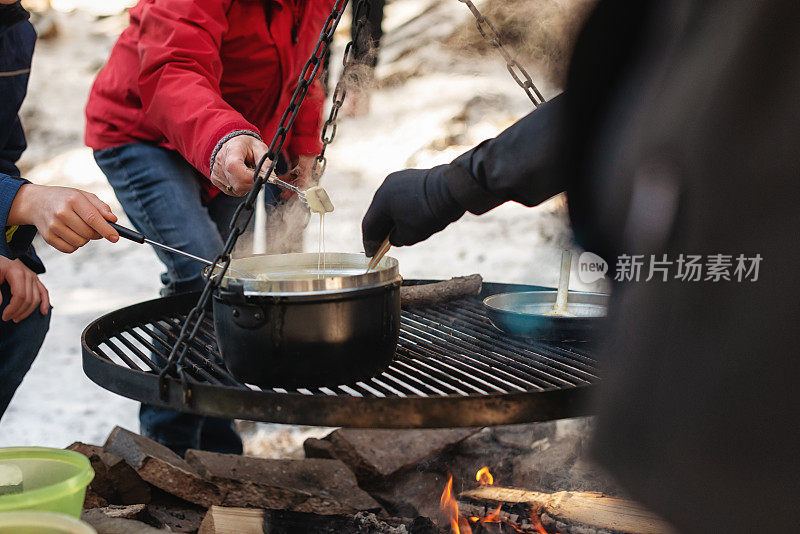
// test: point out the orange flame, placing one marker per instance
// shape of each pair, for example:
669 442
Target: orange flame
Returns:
493 517
535 523
450 509
461 525
484 477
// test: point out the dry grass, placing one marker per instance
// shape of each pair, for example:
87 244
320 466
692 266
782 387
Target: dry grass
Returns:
536 31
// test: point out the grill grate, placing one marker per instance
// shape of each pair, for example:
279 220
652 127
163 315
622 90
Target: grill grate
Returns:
447 356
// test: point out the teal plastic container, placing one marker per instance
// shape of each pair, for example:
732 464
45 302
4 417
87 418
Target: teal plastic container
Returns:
53 480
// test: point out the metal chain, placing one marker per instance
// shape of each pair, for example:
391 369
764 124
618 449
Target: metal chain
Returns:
492 36
329 128
244 212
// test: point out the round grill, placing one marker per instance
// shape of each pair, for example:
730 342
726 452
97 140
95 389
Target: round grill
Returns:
452 368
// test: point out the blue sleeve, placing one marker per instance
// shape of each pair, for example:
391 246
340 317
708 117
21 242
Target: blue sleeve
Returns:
15 242
17 40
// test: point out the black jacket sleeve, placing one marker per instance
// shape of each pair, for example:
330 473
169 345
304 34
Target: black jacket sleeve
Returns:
520 164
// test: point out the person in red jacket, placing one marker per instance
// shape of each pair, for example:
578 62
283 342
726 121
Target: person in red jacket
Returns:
176 117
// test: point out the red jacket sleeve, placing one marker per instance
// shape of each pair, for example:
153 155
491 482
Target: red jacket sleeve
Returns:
180 71
306 130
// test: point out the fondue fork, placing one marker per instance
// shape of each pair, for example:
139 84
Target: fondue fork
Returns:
136 237
286 185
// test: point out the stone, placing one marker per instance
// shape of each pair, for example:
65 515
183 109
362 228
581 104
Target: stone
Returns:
114 480
319 486
176 518
227 520
412 493
547 467
135 511
375 454
159 466
93 500
116 525
523 437
318 448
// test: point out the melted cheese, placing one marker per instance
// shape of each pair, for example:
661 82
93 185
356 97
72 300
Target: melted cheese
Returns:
318 200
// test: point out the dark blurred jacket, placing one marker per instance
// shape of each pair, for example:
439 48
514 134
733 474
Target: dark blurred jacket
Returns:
679 133
17 39
693 148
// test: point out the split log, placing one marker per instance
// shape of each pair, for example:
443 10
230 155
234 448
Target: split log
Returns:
440 292
221 520
587 508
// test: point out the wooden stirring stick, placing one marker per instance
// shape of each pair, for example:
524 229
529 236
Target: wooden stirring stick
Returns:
560 309
382 250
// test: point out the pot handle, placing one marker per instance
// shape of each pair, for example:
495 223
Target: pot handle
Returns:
243 313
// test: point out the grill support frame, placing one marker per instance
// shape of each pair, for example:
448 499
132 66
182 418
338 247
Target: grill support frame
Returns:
227 398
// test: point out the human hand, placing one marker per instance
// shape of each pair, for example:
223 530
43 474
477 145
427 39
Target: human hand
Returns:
66 218
27 291
301 175
410 205
232 171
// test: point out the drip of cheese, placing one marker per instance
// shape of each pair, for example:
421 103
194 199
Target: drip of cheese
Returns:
318 200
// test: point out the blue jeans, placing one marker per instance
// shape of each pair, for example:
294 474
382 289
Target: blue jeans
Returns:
19 345
161 195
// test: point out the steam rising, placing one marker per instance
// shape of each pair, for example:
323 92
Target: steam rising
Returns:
541 31
285 224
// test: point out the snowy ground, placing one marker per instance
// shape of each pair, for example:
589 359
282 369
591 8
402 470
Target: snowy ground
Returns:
439 104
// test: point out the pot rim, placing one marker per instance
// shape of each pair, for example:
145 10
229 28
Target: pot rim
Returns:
351 269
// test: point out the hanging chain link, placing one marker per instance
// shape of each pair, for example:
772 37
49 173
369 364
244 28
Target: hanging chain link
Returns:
244 212
329 128
492 36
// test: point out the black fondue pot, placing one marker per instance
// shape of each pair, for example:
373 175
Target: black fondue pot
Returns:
297 322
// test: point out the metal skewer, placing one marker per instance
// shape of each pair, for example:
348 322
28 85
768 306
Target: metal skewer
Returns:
136 237
286 185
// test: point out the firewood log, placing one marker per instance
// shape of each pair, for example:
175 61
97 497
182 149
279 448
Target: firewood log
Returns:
221 520
440 292
587 508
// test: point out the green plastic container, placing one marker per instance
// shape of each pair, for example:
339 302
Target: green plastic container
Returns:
32 522
53 480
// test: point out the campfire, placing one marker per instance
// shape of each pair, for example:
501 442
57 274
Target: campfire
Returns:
354 481
492 520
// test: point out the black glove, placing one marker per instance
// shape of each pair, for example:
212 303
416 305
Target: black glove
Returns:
413 205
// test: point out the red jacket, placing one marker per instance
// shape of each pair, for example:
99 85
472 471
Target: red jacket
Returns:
187 72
